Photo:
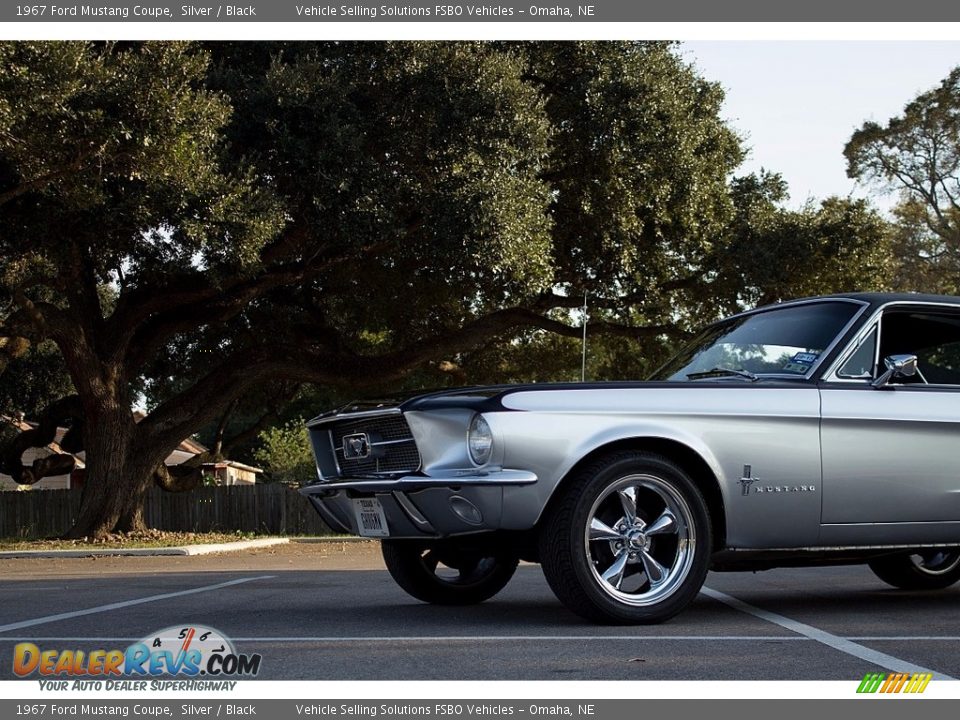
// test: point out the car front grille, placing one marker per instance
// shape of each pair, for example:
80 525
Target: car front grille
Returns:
391 447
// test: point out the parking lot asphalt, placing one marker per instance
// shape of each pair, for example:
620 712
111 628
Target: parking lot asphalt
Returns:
331 612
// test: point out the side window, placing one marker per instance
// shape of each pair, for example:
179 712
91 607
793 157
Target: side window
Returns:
934 337
860 364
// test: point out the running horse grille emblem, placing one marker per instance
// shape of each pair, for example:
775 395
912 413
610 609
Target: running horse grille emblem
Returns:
356 447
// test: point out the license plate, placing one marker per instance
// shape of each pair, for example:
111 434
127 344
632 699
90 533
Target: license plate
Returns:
371 522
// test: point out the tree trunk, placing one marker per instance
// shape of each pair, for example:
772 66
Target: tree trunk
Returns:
132 519
118 473
106 491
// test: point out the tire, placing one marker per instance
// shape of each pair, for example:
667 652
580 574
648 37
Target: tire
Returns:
446 574
933 569
597 551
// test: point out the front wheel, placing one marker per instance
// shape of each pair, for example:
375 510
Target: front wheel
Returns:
928 570
446 574
628 541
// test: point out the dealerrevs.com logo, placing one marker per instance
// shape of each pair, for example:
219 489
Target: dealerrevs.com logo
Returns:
190 651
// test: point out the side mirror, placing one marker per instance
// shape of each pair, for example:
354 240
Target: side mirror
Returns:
898 366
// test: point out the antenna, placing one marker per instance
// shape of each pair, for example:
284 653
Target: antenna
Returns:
583 361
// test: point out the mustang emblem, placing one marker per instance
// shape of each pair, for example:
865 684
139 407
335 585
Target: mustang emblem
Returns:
356 447
747 480
786 488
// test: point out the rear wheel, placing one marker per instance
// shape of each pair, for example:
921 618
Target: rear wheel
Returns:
445 573
933 569
628 541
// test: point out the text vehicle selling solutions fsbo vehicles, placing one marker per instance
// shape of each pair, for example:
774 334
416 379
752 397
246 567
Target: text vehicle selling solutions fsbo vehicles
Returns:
820 431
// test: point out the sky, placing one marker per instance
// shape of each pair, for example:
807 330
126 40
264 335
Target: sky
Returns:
796 103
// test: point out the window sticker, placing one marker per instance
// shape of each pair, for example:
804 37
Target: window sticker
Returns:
805 358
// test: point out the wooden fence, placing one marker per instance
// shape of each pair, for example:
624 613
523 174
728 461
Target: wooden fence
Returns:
268 509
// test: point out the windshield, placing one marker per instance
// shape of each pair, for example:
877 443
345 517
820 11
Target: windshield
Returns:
784 342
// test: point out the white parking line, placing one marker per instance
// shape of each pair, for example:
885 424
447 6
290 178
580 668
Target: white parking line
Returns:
125 603
524 638
822 636
442 638
904 638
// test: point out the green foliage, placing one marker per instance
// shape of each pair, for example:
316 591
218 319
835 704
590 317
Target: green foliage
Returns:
109 166
254 213
639 162
285 454
417 162
917 154
925 262
774 254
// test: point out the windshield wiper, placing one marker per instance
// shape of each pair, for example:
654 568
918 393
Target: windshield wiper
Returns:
723 372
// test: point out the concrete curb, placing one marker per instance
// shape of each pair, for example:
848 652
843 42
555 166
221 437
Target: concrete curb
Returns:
175 550
333 539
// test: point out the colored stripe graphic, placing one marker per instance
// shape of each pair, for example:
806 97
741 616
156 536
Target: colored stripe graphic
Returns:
923 683
894 682
871 682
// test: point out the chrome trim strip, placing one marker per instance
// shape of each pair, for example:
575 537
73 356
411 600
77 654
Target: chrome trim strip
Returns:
791 303
382 442
832 548
334 451
415 482
323 420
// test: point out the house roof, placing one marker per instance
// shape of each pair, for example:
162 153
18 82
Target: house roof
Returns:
233 464
192 446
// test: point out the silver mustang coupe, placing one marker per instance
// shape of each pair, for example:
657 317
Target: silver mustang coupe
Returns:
821 431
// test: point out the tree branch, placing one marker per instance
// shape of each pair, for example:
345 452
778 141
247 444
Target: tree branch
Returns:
178 478
183 414
221 429
180 312
49 177
395 364
53 416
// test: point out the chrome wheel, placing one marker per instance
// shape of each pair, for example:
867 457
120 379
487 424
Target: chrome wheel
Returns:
640 540
628 540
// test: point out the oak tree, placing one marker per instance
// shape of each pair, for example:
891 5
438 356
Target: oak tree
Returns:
194 224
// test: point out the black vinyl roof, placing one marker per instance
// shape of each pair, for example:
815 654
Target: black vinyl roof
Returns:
873 299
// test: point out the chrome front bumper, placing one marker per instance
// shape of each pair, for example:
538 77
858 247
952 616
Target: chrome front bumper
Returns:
418 506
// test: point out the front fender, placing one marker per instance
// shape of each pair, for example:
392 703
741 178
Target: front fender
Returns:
551 447
774 431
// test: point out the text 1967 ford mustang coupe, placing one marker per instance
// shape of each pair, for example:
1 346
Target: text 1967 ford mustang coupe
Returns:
821 431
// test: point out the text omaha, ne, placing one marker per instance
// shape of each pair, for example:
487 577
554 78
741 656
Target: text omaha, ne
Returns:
442 11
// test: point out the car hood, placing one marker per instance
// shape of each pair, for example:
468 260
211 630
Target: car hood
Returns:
490 398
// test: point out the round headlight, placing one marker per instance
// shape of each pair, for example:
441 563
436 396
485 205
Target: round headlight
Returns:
479 440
